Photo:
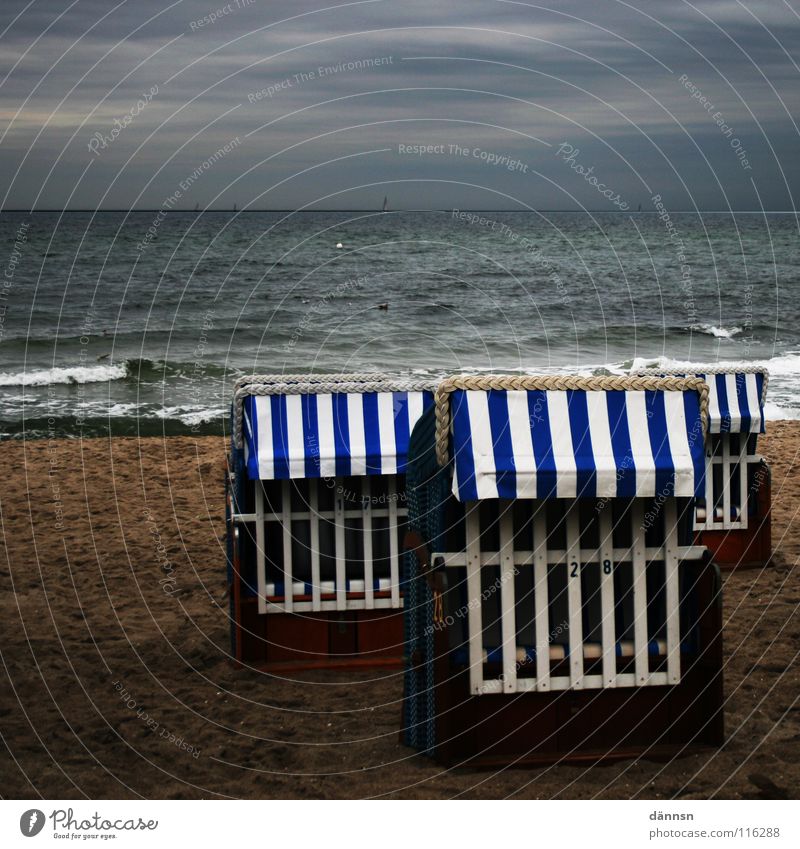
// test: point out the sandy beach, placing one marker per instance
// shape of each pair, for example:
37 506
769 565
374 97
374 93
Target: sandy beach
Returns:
117 680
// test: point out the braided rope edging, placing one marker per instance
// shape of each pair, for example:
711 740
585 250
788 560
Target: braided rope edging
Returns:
554 382
713 368
306 384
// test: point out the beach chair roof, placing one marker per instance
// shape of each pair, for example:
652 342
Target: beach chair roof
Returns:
326 426
568 437
737 393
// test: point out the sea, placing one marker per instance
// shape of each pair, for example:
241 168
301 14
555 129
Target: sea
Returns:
139 322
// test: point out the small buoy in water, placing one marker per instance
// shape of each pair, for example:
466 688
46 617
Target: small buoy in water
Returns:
339 245
383 306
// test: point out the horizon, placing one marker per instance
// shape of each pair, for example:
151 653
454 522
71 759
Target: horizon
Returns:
448 210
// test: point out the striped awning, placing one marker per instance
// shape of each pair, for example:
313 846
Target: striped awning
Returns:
576 443
314 435
735 398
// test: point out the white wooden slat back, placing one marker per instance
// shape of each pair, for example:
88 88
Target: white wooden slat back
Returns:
286 525
261 564
508 620
607 559
366 535
574 595
316 574
541 600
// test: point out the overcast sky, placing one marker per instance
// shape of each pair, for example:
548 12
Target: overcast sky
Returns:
695 102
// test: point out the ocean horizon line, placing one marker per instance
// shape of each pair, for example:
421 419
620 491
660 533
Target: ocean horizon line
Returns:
394 211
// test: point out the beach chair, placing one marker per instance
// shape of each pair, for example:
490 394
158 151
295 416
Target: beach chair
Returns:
315 517
733 516
556 606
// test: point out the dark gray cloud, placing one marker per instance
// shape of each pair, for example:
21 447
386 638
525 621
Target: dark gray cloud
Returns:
316 100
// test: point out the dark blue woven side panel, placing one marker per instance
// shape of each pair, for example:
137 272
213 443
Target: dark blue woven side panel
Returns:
425 482
237 504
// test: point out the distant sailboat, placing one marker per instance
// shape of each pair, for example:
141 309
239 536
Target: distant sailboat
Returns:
385 203
234 207
640 208
197 207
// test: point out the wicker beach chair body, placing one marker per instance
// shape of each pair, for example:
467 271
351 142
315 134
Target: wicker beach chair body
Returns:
316 514
556 607
733 515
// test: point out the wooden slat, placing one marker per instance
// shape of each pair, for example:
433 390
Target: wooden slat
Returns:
508 621
556 556
341 572
743 469
671 593
607 625
261 560
541 600
244 518
377 513
394 542
639 592
561 682
367 537
574 596
710 505
331 604
286 524
316 577
474 614
727 470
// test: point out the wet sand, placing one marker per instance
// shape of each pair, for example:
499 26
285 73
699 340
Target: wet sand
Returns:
117 680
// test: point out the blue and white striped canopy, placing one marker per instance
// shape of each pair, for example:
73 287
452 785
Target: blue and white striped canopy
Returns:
735 398
326 435
576 443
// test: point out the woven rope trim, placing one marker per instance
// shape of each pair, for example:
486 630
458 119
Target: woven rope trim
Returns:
308 384
354 377
557 382
713 368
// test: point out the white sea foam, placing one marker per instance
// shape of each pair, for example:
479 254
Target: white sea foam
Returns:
74 374
787 365
784 381
192 414
717 332
775 412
